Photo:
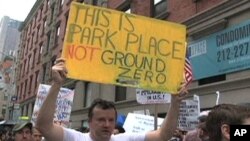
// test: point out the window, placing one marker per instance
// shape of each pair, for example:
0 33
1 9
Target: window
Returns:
120 93
30 62
48 42
52 64
48 3
157 1
44 72
45 23
57 35
87 94
58 30
38 33
30 85
37 79
212 79
20 71
44 26
128 11
27 46
62 1
160 9
52 13
25 88
34 58
25 67
40 53
21 92
41 12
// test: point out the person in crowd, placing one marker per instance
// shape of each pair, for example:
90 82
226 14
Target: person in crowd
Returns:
222 116
118 129
178 135
199 133
36 135
22 131
3 135
102 117
9 136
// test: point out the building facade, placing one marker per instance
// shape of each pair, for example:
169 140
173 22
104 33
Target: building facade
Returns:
9 39
9 35
42 35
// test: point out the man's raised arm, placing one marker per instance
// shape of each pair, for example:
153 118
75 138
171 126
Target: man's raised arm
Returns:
44 123
170 122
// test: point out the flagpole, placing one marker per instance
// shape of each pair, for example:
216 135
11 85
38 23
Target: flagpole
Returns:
155 116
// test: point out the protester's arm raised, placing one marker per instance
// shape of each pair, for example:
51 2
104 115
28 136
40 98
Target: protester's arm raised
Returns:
169 124
44 124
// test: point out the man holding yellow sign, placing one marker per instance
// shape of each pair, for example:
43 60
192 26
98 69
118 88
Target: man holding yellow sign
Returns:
107 46
102 118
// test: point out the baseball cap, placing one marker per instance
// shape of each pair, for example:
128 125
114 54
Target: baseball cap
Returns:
21 125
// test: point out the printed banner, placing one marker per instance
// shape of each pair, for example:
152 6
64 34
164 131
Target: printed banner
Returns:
63 106
107 46
223 52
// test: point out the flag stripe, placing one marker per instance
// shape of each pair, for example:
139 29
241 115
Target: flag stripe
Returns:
188 76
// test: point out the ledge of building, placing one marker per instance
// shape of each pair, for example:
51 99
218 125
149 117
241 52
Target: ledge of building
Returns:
215 16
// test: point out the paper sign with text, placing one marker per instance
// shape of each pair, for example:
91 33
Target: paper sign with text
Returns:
188 117
63 104
107 46
140 123
152 97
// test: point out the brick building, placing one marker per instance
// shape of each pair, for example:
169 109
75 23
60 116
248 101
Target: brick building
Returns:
43 31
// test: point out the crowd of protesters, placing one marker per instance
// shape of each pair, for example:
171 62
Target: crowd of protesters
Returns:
214 126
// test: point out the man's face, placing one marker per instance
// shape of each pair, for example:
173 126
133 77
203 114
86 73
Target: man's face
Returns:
23 135
102 124
37 136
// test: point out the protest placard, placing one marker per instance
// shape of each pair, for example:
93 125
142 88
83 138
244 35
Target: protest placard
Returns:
107 46
152 97
188 117
63 104
141 123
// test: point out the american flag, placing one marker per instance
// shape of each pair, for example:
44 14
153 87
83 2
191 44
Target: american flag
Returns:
188 75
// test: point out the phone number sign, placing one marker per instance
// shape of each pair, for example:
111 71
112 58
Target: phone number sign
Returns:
223 52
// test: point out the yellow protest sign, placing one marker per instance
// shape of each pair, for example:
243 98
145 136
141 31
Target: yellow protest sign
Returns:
108 46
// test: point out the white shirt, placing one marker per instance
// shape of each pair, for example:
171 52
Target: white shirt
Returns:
73 135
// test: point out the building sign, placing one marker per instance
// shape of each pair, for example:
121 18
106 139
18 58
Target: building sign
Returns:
223 52
107 46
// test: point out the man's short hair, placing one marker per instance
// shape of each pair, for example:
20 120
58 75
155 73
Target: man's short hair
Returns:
224 114
102 104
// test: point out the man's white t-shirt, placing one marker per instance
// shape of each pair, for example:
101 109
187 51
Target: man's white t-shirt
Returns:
73 135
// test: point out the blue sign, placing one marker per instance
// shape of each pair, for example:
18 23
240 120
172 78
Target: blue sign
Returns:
223 52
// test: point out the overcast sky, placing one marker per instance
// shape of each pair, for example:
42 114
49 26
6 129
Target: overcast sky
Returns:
16 9
19 9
